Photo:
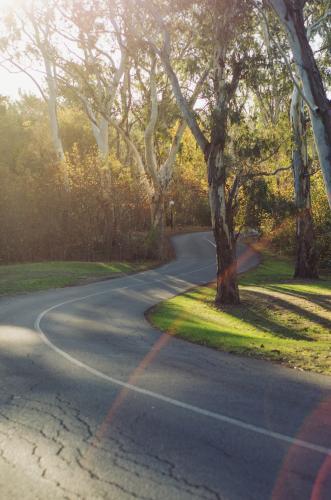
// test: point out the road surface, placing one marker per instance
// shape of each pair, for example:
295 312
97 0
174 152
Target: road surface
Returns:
95 403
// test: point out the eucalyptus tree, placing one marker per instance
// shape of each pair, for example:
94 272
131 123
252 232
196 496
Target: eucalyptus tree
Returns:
153 130
279 75
93 57
28 47
120 83
291 14
269 81
306 265
224 29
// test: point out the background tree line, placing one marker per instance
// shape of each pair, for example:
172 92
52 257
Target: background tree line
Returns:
40 219
220 106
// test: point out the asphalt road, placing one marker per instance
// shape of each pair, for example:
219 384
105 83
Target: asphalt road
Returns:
95 403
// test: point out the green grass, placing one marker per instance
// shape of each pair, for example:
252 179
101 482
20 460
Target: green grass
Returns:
21 278
279 318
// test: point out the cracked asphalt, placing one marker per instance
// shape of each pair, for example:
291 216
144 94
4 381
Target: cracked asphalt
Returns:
67 431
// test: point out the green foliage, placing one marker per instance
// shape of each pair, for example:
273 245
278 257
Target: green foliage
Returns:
189 189
255 203
75 129
322 219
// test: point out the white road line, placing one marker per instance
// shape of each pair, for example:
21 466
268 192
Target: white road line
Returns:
103 292
174 402
211 242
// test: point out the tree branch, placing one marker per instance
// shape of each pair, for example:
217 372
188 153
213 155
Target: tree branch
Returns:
260 174
151 162
182 103
137 156
287 63
166 167
23 70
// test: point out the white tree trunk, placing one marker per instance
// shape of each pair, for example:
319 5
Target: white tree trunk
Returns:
291 17
55 131
52 110
100 133
53 118
41 40
306 254
214 151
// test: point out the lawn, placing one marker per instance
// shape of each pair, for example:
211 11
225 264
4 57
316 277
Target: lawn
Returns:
21 278
279 319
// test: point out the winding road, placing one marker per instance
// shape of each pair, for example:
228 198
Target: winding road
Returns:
97 404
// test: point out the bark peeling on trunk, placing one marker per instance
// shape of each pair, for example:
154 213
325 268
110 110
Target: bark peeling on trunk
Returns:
306 256
306 265
42 41
291 15
221 204
221 207
227 287
222 216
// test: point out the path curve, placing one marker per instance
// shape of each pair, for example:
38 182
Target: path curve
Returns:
120 410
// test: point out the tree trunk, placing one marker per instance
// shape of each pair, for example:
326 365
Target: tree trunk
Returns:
53 120
222 222
158 220
43 46
55 133
306 265
291 16
225 86
100 133
106 216
221 207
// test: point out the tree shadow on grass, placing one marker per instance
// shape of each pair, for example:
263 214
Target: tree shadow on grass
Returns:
256 309
264 312
323 300
250 318
276 304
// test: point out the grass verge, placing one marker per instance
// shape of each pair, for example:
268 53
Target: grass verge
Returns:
22 278
279 319
32 277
